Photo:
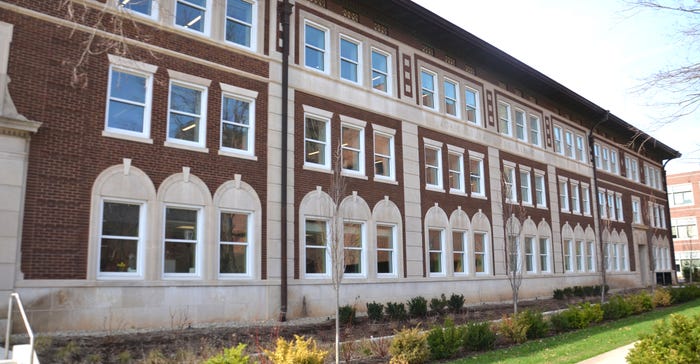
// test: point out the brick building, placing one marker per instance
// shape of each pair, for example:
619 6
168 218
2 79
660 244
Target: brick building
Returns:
182 166
684 202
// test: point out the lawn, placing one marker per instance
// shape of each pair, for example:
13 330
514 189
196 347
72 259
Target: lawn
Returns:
580 345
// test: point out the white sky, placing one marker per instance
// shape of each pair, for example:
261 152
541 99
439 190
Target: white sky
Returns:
599 49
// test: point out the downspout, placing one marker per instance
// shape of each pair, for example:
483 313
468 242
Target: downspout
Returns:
594 193
667 212
286 14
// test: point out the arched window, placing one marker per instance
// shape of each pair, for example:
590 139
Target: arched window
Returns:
544 247
435 230
315 211
568 248
388 240
482 249
461 243
356 218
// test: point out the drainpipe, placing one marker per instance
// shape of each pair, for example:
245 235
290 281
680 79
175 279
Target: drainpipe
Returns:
667 212
599 233
286 14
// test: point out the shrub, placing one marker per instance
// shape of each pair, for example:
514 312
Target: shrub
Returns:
578 291
537 327
558 294
684 294
445 341
395 311
232 355
561 321
589 291
298 351
662 298
438 305
456 302
409 346
673 341
375 311
568 292
686 273
577 317
479 336
640 302
589 313
616 308
418 307
346 314
513 329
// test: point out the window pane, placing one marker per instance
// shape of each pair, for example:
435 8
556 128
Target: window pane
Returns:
238 33
385 246
140 6
184 127
316 246
236 111
233 258
185 99
450 98
234 136
180 224
129 87
315 129
179 257
125 116
119 219
349 60
118 255
189 16
234 227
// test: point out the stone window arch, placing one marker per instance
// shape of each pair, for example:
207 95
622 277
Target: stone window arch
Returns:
436 228
357 222
387 240
315 211
460 244
567 248
544 247
482 244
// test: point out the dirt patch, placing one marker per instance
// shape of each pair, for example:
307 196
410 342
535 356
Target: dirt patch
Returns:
195 343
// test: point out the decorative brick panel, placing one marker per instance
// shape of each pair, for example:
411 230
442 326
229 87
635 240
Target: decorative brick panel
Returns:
407 76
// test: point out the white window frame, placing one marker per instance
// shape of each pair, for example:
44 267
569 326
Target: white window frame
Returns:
544 255
476 109
531 258
437 147
591 256
602 204
682 189
606 156
525 185
358 62
252 26
564 201
636 210
586 199
206 28
387 74
535 130
248 244
521 129
325 51
580 148
486 256
243 95
479 158
459 153
326 143
568 247
441 251
463 253
596 154
433 92
575 198
505 122
618 207
635 170
199 242
362 249
326 249
510 175
389 134
540 185
455 100
122 5
202 136
558 139
140 241
359 126
138 69
392 250
611 205
614 161
580 260
569 144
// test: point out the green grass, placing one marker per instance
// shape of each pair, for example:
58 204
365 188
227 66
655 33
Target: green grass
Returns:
580 345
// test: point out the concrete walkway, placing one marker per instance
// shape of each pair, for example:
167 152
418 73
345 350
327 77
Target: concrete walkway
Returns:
616 356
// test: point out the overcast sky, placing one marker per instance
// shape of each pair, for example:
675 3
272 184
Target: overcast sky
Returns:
600 49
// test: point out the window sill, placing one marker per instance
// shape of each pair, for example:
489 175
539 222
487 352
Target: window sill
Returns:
119 277
386 180
479 196
528 204
458 193
234 154
317 168
192 148
543 207
353 175
133 138
434 188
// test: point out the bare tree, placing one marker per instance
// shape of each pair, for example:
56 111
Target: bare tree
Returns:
336 225
514 217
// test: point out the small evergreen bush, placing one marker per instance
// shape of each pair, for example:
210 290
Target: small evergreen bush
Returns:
346 314
418 307
577 317
478 336
513 329
409 346
232 355
673 341
395 311
438 305
662 298
375 311
558 294
537 326
299 350
641 302
456 302
445 341
616 308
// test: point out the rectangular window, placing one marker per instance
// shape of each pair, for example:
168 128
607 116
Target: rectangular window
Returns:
182 239
456 166
601 205
618 207
129 102
433 167
530 249
316 141
596 155
145 7
684 228
613 162
316 246
575 199
476 176
606 165
580 149
511 192
525 188
471 100
240 18
353 146
540 192
535 130
680 195
383 155
386 256
580 256
569 140
635 170
480 246
353 244
564 195
586 200
451 102
121 237
590 257
237 131
504 123
315 40
381 75
568 258
520 125
192 14
636 216
349 59
544 255
611 206
459 250
187 114
558 143
234 243
436 247
428 92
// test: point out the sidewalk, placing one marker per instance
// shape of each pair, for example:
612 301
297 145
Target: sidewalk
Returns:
616 356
